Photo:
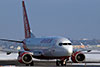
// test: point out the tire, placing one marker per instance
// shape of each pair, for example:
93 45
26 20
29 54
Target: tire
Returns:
27 64
57 63
32 63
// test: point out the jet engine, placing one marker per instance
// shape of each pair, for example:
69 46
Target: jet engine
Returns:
78 57
25 57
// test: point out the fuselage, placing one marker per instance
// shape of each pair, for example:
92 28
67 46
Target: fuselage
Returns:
49 47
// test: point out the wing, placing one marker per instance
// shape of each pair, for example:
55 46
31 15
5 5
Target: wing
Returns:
87 48
82 49
11 40
11 46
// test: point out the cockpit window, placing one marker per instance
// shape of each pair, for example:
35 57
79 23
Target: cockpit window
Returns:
60 44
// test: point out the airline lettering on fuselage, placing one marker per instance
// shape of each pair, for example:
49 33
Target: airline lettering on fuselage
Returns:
46 41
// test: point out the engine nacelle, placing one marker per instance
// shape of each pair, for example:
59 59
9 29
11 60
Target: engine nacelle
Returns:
78 57
25 57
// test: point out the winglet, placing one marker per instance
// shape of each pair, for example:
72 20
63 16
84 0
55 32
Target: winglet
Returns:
26 22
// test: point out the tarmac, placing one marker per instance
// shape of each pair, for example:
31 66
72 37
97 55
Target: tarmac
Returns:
14 63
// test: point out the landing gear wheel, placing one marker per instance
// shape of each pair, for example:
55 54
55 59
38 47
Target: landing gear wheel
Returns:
27 64
31 64
57 63
61 62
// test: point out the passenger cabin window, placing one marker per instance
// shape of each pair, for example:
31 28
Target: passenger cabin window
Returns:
60 44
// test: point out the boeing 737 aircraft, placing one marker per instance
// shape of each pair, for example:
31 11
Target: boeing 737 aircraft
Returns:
46 48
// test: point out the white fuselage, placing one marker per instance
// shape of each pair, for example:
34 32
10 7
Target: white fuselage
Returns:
49 47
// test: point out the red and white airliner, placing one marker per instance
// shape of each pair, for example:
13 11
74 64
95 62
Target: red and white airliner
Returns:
58 48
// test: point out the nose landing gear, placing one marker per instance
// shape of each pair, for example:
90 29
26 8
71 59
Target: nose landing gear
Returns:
61 62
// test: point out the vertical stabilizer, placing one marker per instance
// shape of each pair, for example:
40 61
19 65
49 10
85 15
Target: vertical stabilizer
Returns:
26 22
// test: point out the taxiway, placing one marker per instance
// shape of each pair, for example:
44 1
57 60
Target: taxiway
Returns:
14 63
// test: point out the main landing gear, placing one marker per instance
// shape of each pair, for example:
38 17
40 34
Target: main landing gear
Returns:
31 64
61 62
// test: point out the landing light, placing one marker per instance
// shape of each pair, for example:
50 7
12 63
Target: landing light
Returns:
18 48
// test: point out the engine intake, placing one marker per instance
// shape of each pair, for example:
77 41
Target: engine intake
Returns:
25 58
78 57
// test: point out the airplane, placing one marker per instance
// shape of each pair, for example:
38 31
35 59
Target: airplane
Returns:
47 48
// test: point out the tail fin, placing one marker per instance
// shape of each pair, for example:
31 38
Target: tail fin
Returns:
26 22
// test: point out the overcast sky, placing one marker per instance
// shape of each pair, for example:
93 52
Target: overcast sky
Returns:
74 19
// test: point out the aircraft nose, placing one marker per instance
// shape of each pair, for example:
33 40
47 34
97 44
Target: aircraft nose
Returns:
70 50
